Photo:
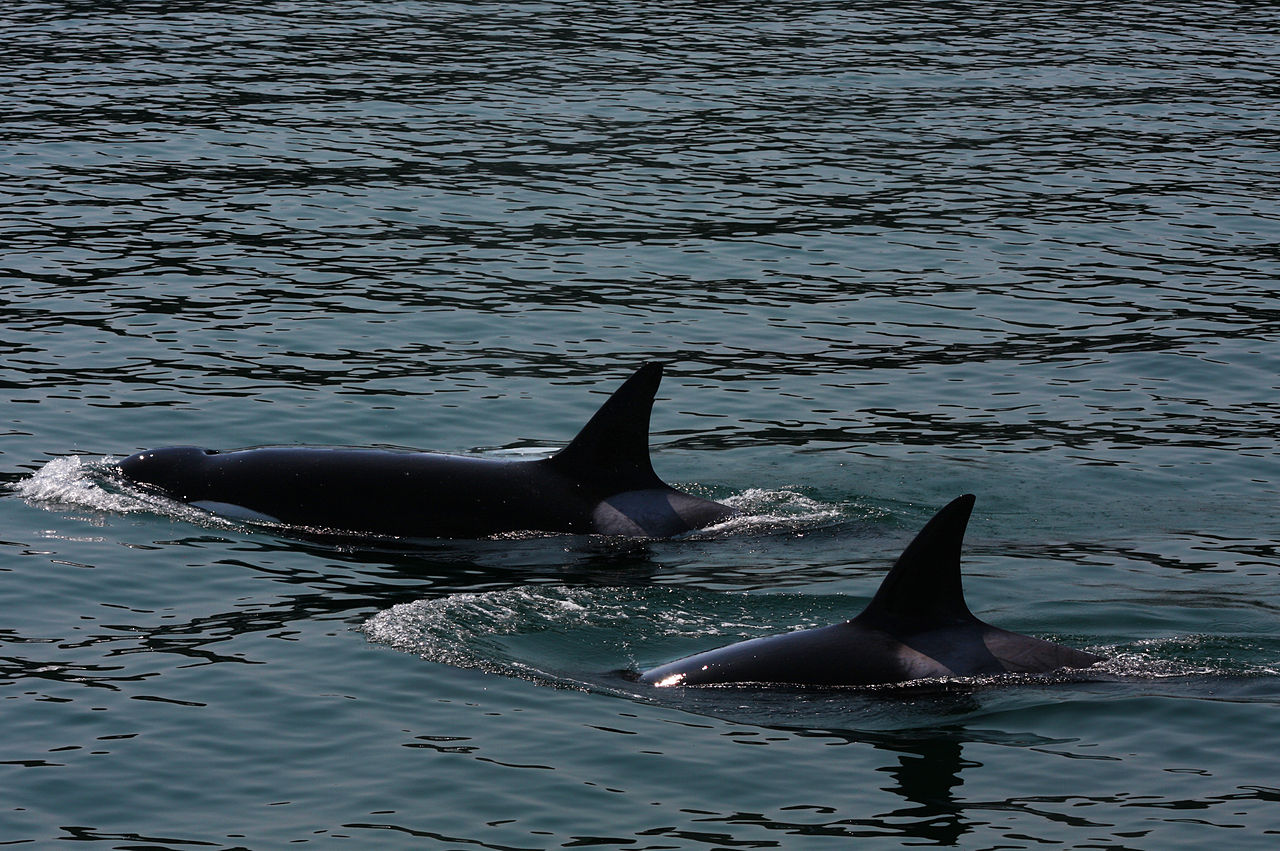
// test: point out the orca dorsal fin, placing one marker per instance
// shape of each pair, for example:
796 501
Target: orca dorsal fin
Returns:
923 586
613 447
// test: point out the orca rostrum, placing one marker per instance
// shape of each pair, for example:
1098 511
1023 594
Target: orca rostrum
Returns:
917 626
602 482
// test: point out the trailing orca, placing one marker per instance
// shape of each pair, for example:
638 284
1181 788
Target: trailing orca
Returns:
602 482
917 626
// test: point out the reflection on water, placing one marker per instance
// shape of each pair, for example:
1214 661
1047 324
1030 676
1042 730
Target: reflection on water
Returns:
924 773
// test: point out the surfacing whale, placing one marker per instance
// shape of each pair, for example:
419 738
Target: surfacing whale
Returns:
602 482
917 626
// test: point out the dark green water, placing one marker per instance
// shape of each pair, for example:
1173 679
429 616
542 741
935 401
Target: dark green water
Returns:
893 254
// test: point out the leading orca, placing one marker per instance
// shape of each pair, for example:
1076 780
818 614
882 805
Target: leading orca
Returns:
917 626
602 482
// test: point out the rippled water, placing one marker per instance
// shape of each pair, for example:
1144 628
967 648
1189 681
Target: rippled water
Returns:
892 254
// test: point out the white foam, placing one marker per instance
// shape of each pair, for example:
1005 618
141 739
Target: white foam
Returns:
92 484
774 510
550 633
467 630
424 624
76 481
1183 656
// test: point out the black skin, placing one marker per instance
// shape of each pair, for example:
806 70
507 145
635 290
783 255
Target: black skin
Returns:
917 626
602 482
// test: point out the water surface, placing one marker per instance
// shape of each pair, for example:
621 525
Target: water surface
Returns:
892 254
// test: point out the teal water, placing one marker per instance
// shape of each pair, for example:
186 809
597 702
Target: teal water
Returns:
892 254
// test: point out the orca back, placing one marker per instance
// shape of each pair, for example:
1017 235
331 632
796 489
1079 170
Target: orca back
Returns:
917 626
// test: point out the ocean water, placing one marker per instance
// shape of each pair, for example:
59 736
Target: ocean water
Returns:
891 253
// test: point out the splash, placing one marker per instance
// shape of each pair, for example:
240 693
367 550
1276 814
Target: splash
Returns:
77 482
467 630
768 511
582 638
560 635
1190 656
91 484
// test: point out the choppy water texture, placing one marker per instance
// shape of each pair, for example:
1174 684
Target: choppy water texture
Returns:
893 252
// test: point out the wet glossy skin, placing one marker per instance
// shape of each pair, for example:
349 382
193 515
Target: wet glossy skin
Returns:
602 482
918 626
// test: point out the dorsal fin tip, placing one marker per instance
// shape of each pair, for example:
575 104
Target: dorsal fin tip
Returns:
613 446
924 583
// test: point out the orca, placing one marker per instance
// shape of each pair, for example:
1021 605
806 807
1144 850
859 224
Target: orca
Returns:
602 482
917 626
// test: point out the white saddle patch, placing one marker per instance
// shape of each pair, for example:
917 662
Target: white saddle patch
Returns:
654 513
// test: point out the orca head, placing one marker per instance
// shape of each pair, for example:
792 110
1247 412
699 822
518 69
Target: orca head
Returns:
174 470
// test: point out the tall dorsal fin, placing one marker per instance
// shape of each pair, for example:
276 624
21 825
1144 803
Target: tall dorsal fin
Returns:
923 586
613 447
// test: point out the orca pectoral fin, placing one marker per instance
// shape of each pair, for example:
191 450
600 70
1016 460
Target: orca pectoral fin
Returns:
235 512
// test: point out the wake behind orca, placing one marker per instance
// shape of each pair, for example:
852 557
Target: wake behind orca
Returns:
602 482
917 626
